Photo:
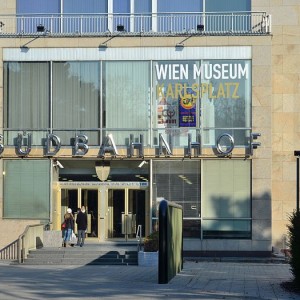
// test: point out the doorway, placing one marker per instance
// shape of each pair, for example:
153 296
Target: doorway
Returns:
125 211
75 199
113 212
89 199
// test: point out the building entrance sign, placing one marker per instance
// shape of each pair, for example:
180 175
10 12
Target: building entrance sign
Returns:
53 145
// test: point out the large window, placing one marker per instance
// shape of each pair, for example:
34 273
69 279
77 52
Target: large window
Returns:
76 96
214 96
220 208
179 181
183 98
226 100
26 189
226 199
126 97
177 101
26 94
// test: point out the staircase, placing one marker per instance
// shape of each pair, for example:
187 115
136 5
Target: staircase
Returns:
90 254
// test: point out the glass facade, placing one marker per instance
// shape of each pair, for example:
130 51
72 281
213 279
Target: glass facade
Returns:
123 6
215 196
26 108
126 94
93 16
26 189
226 210
207 98
120 97
76 95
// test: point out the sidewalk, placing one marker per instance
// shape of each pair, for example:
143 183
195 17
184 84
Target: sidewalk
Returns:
202 280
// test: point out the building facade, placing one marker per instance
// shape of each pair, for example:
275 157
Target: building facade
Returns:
116 105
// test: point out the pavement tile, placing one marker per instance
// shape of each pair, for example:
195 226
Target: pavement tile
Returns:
202 280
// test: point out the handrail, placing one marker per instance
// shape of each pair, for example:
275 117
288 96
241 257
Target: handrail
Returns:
139 236
31 238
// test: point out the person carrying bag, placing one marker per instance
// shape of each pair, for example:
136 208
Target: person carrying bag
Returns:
69 227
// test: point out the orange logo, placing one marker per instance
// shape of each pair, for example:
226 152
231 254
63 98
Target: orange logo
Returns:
188 102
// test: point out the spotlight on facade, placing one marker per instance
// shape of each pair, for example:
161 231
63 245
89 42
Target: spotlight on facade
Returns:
40 28
102 46
179 46
120 28
200 27
254 144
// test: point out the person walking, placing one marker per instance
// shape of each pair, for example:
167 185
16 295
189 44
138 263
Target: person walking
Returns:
69 220
81 222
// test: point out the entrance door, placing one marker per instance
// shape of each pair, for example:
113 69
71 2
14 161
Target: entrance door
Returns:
126 210
89 199
69 199
75 199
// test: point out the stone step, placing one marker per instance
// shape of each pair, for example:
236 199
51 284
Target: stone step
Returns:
82 261
92 255
82 253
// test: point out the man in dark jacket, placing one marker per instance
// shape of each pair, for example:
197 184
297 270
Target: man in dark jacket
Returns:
81 222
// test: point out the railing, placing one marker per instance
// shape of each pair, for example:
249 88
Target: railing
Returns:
246 23
10 252
31 238
139 237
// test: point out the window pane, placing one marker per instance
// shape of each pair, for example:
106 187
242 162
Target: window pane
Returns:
27 24
121 6
142 18
87 6
76 96
26 96
164 6
121 10
26 189
228 15
142 6
38 6
127 95
191 228
179 181
227 5
176 100
226 229
95 22
227 208
226 100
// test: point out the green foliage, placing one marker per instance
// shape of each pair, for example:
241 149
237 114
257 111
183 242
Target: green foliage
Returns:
151 242
294 243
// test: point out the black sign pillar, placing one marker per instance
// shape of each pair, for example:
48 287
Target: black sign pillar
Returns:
297 154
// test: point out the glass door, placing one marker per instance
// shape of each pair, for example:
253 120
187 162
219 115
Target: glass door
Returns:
126 210
75 199
69 199
89 199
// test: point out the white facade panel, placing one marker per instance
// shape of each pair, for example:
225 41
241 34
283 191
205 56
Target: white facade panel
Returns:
144 53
